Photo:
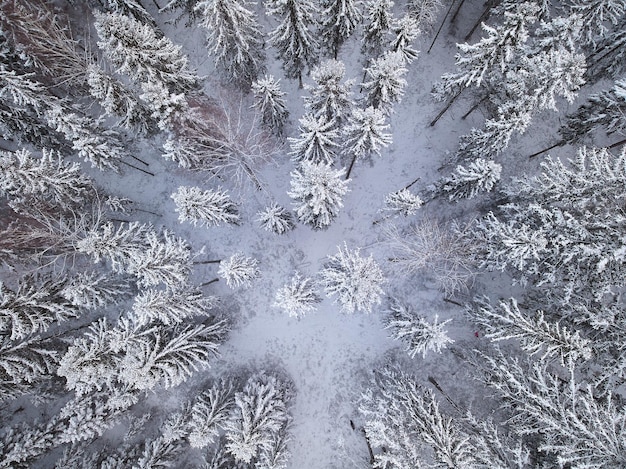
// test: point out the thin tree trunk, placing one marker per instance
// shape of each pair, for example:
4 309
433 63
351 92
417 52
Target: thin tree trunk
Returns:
474 107
443 111
483 16
156 4
369 446
300 80
147 211
139 159
210 282
351 165
441 26
434 382
137 168
409 185
453 19
215 261
454 302
560 143
617 144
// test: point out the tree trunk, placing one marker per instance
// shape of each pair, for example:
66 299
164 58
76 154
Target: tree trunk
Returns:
560 143
369 446
474 107
210 282
443 111
137 168
617 144
441 26
453 19
483 16
409 185
351 165
215 261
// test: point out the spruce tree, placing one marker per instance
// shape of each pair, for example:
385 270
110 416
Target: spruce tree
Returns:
209 208
385 82
339 20
317 140
365 134
378 23
269 100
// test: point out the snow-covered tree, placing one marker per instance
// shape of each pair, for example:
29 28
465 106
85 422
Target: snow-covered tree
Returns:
93 290
406 30
269 100
330 98
357 281
606 110
294 37
117 100
260 412
378 22
318 190
424 12
239 270
339 20
171 307
210 207
385 82
298 297
596 16
28 179
317 140
35 305
135 49
466 182
210 412
403 202
365 134
276 219
415 331
234 38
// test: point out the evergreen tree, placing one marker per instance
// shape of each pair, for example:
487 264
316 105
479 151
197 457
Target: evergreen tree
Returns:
293 37
596 16
234 38
319 191
210 208
91 290
135 49
260 412
27 179
117 100
276 219
606 109
385 81
365 135
424 12
378 23
171 307
465 183
269 100
210 412
406 30
298 297
339 20
239 270
330 99
403 202
356 280
316 141
418 334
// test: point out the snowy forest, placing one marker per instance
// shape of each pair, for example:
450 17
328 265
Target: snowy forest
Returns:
299 234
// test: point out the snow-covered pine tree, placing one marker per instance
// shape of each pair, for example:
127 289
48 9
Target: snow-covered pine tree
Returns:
26 179
135 49
275 454
117 100
294 37
424 12
167 108
298 297
537 334
210 412
317 140
365 135
209 208
339 20
239 270
406 31
378 22
171 307
609 54
385 82
234 38
403 202
318 190
596 16
356 280
260 412
330 98
606 109
466 182
276 219
131 8
269 100
91 290
34 306
417 333
493 52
